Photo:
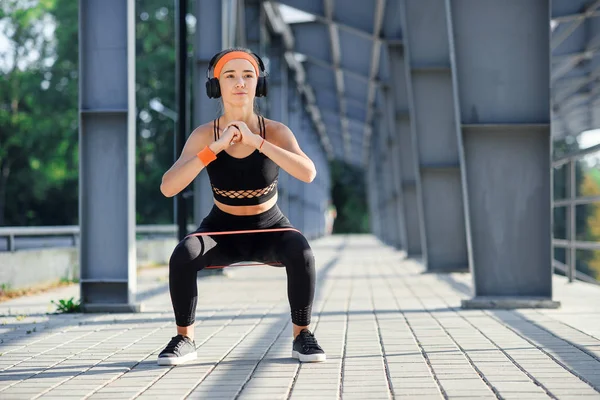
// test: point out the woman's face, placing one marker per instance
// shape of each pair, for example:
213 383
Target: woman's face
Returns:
238 82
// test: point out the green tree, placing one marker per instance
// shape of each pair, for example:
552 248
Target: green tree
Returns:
155 77
349 197
39 111
35 137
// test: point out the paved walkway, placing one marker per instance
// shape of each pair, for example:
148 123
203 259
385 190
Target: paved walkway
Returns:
390 331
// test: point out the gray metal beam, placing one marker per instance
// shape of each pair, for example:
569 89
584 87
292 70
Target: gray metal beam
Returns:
502 136
374 188
427 50
329 114
410 179
294 186
339 69
574 22
275 21
107 132
252 25
588 49
375 59
372 197
312 192
387 183
256 38
326 19
395 168
334 41
210 39
350 101
564 88
279 104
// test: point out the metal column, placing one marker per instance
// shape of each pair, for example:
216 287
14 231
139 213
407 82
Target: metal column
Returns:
278 108
252 25
505 136
107 115
294 188
398 213
209 38
408 158
388 222
427 53
256 39
372 187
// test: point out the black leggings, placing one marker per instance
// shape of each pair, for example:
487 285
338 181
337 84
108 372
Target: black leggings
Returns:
289 248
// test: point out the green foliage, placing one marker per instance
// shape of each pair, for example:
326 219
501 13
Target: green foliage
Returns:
155 77
67 306
38 115
349 198
39 112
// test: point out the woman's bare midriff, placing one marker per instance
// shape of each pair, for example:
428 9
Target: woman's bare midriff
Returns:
247 210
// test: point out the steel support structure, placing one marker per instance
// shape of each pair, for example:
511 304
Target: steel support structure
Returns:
504 142
398 204
398 105
384 176
181 84
432 109
255 38
209 39
278 107
107 131
377 188
372 193
295 189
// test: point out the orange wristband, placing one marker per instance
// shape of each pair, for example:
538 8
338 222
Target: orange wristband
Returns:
261 144
206 155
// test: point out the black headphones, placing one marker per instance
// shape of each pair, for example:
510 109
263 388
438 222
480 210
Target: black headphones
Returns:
213 89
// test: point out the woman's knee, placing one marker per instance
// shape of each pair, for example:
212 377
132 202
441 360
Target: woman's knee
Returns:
186 251
294 246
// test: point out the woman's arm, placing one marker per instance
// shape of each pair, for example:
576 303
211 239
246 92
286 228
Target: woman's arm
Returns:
282 147
188 165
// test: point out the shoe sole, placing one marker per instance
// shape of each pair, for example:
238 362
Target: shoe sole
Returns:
309 357
176 360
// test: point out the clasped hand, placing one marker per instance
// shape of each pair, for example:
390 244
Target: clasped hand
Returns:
238 132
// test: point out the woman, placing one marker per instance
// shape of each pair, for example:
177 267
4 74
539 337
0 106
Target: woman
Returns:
242 152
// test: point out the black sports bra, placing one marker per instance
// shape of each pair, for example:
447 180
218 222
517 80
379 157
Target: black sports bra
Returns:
243 181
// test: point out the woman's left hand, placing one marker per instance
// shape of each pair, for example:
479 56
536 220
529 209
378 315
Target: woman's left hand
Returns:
248 138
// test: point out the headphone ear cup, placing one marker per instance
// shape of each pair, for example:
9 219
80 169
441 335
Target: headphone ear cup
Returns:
216 88
208 89
261 87
213 90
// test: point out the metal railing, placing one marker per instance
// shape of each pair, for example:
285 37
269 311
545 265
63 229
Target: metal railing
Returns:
571 244
71 233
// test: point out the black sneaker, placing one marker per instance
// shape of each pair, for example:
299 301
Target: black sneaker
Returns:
180 349
306 349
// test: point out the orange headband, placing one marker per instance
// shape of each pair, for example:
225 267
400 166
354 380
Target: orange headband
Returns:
231 56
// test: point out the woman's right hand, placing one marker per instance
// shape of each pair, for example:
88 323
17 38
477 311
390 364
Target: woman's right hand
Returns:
231 135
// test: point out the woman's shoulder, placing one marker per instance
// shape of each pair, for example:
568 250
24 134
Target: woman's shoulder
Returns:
276 129
204 131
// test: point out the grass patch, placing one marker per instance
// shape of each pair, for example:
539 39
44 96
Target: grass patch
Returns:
7 293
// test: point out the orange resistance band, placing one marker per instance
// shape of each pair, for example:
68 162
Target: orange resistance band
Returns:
232 56
206 155
275 264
